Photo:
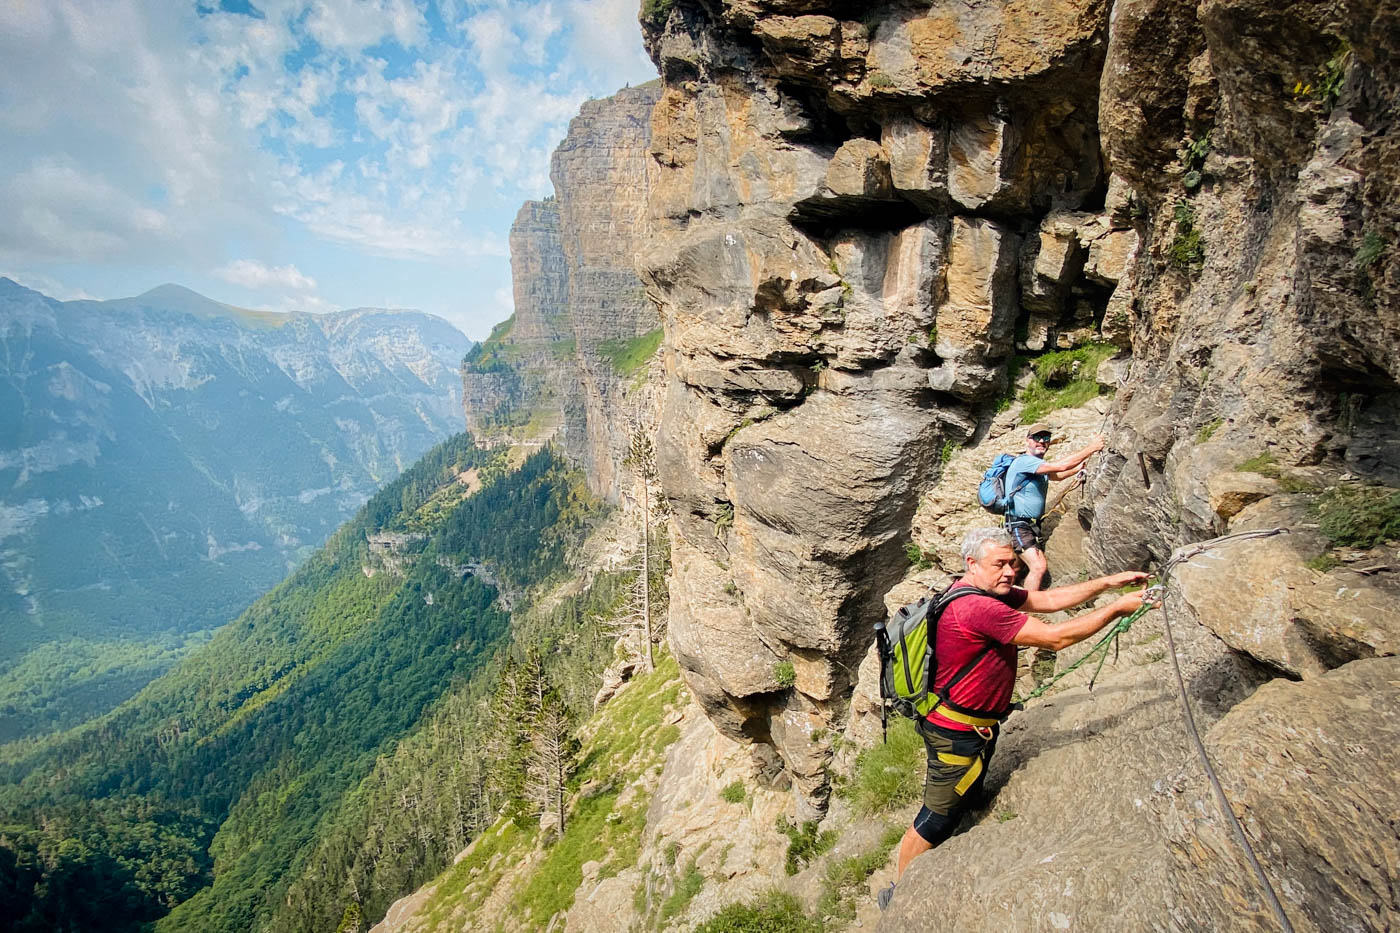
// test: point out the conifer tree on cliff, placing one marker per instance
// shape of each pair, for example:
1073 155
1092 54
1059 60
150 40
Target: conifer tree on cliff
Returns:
553 752
641 459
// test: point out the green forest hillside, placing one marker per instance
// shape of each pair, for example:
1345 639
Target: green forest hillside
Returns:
201 803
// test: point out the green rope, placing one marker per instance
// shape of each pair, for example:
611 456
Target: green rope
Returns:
1119 627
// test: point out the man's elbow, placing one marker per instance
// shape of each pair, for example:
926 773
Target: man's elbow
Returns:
1050 640
1048 636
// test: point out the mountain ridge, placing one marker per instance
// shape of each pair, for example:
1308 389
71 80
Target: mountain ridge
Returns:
160 465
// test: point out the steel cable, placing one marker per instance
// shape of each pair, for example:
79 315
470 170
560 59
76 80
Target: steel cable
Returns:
1218 792
1221 800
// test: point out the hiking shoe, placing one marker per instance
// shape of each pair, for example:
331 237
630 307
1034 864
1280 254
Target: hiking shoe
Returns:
885 896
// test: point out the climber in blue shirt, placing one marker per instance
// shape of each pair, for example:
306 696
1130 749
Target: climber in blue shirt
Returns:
1030 475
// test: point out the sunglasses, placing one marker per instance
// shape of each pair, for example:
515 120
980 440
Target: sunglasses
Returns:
1041 438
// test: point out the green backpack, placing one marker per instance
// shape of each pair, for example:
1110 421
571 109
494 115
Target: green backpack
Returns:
905 643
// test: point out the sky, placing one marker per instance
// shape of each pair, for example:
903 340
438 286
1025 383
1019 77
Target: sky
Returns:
291 155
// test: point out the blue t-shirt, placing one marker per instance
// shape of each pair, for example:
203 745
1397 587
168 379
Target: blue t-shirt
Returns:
1029 503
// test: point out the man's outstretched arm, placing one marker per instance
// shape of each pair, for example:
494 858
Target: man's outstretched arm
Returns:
1037 633
1063 597
1074 461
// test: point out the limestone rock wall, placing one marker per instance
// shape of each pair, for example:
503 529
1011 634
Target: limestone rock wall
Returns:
856 224
570 365
600 172
861 212
516 384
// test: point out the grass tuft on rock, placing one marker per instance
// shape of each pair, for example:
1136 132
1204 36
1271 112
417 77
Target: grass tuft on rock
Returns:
889 774
1187 252
774 912
1265 465
687 887
1208 430
1359 516
1064 379
628 355
845 882
805 843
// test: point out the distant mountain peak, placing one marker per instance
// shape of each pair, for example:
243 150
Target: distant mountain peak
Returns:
172 292
182 300
171 297
9 286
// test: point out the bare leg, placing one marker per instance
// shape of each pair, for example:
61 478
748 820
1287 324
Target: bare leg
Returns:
1043 666
911 846
1035 567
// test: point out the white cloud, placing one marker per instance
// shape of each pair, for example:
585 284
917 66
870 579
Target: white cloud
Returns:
353 25
252 274
114 137
605 38
152 133
411 114
356 222
60 210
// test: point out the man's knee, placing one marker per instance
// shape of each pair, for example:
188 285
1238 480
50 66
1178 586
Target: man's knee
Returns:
935 828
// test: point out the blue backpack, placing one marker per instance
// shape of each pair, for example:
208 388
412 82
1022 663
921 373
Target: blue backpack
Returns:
991 492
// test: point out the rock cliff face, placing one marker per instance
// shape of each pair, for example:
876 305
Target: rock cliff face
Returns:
855 221
864 218
863 211
567 365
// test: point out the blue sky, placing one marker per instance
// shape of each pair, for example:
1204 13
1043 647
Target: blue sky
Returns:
291 154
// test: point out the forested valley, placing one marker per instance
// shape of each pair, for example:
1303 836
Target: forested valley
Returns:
335 745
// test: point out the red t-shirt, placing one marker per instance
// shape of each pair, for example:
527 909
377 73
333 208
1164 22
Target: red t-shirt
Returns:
968 625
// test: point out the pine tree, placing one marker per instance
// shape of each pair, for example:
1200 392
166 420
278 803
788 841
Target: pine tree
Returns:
641 459
553 754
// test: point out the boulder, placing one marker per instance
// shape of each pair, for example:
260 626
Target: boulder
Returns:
932 51
860 169
1111 255
1230 492
985 168
710 632
857 188
1086 783
1261 598
1051 259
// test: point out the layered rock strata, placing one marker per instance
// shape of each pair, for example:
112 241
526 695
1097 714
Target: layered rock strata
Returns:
567 366
852 228
861 214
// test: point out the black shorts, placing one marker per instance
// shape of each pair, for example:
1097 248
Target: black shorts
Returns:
1025 534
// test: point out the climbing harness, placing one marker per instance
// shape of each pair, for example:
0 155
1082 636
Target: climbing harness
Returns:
1157 600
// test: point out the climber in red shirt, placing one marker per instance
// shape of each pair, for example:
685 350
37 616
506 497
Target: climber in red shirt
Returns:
989 629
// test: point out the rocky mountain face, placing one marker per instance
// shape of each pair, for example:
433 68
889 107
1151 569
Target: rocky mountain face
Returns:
166 458
882 239
861 214
569 364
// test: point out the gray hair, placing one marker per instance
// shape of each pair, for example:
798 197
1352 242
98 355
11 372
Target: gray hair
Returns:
976 541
